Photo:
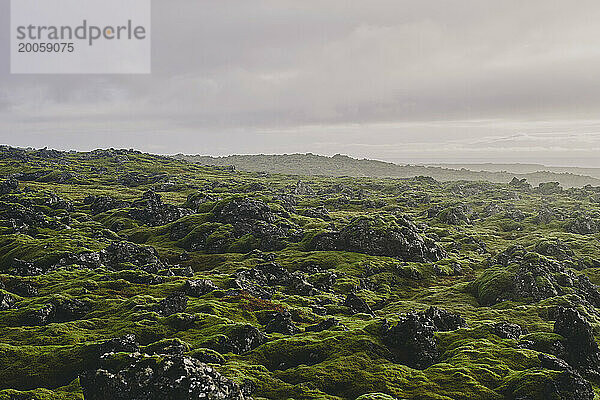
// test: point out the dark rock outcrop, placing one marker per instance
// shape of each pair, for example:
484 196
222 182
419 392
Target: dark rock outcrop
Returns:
25 268
357 305
583 225
241 339
454 215
152 211
199 287
70 310
530 276
556 249
506 330
126 343
317 212
135 179
40 316
22 288
8 186
261 280
100 204
175 303
569 386
118 256
254 217
158 378
281 322
395 237
581 349
6 301
412 339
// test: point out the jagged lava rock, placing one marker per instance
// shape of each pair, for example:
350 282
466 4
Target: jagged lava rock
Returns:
159 378
394 237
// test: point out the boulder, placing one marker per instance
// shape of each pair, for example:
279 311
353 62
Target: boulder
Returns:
506 330
126 343
412 339
454 215
198 287
100 204
568 385
520 183
22 288
357 305
7 301
175 303
393 237
124 255
281 322
261 280
583 224
152 211
195 200
158 378
582 351
317 212
135 179
520 275
24 268
40 316
70 310
8 186
254 217
556 249
241 339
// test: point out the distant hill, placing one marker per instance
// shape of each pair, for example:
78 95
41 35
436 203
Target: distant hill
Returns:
341 165
518 168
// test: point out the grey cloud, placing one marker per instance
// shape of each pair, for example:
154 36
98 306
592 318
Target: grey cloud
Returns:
327 76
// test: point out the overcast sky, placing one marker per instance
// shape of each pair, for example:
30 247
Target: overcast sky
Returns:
407 81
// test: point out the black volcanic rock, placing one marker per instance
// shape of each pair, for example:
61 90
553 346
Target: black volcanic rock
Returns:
582 351
394 237
100 204
254 217
506 330
583 225
175 303
70 310
454 215
357 305
261 280
126 343
281 322
555 249
198 287
532 277
24 268
6 301
8 186
40 316
119 255
159 378
569 386
412 339
317 212
241 339
152 211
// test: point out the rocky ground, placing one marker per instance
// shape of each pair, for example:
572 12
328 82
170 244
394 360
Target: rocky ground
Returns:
126 275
